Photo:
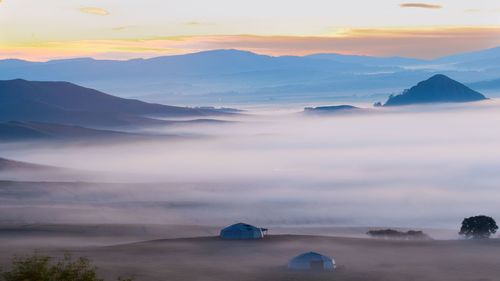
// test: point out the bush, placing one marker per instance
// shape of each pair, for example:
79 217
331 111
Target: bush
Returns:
42 268
394 234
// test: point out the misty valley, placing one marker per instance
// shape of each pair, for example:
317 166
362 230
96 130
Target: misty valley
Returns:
320 186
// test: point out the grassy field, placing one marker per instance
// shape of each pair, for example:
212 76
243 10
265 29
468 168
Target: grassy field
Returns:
119 251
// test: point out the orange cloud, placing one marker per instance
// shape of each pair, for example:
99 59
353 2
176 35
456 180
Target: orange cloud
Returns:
420 42
421 5
94 11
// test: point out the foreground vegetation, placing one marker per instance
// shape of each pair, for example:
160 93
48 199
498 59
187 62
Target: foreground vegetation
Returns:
44 268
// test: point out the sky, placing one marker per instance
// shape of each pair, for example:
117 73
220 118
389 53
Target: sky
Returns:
121 29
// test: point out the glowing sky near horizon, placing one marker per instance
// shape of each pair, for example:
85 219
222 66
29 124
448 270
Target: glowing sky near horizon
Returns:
119 29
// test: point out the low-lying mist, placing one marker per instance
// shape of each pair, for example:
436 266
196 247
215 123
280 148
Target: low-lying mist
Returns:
417 166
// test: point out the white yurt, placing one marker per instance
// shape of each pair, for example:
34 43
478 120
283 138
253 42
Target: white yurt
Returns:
312 261
241 231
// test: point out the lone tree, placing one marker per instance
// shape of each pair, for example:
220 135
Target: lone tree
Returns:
478 227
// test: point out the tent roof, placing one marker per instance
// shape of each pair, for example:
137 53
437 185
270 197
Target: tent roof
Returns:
311 256
242 226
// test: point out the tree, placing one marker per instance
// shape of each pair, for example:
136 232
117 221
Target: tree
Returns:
42 268
478 227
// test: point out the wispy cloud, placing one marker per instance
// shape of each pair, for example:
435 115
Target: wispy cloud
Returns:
94 11
124 27
421 5
193 23
472 10
198 24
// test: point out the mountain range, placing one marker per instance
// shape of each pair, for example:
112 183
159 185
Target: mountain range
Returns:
232 76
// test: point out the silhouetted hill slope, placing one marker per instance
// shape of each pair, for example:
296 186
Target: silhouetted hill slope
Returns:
67 103
438 88
27 110
7 165
15 131
69 96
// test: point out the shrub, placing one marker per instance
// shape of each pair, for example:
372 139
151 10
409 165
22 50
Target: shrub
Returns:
394 234
43 268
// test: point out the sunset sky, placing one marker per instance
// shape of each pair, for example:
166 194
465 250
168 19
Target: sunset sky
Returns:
121 29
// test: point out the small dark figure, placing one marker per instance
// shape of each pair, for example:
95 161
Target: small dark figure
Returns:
377 104
478 227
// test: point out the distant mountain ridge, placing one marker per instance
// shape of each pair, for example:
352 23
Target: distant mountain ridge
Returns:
489 84
437 89
368 60
234 77
487 54
205 77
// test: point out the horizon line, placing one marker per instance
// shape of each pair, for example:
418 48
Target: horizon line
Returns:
244 51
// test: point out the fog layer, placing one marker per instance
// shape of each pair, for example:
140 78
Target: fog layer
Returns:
416 166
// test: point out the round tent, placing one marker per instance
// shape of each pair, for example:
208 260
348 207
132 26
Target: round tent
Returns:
241 231
311 261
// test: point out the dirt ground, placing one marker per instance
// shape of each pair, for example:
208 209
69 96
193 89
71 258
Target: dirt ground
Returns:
116 252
